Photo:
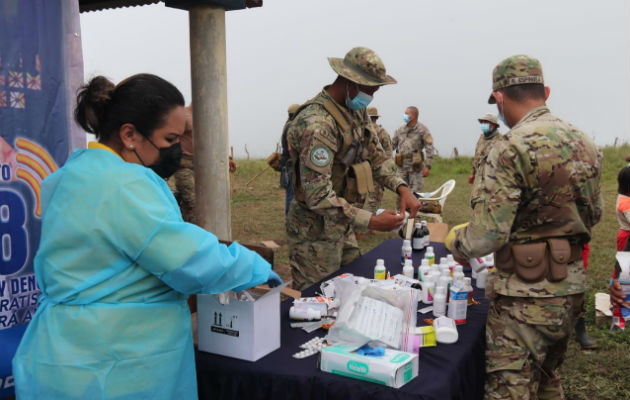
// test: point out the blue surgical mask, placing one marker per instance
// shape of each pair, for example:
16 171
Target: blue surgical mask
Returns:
500 112
485 127
360 101
406 118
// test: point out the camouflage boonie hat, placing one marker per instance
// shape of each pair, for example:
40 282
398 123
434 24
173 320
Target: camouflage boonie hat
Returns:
489 118
293 108
372 112
516 70
363 66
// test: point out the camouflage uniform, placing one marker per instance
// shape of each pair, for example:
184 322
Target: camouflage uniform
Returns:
323 217
375 198
409 143
541 182
484 144
182 183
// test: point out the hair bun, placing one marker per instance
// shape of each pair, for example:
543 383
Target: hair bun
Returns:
93 101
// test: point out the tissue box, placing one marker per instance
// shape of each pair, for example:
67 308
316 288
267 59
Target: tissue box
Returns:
247 330
394 369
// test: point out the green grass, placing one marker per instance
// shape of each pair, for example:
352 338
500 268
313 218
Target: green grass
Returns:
258 214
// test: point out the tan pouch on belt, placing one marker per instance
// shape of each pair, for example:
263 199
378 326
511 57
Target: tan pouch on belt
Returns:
399 159
559 257
503 259
363 175
531 263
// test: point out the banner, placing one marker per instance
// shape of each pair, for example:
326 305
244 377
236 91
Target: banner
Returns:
40 69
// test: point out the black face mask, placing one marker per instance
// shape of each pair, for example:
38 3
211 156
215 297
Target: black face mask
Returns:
168 161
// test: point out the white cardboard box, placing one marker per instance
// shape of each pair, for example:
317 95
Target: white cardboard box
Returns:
394 369
247 330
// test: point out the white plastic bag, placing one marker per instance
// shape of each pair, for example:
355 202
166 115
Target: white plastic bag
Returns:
371 314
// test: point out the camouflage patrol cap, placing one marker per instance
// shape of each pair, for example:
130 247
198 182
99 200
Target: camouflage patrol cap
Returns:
516 70
489 118
363 66
293 108
372 112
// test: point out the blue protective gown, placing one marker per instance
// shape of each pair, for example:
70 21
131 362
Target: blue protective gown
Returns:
115 264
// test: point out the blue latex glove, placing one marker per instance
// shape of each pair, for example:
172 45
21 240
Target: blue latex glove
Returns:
366 350
274 279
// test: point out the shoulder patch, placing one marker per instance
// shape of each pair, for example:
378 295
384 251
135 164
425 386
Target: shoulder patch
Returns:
320 156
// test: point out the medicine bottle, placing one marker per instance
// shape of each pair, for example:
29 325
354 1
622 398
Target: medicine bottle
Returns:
379 269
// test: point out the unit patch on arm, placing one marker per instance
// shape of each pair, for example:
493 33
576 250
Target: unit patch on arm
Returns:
320 156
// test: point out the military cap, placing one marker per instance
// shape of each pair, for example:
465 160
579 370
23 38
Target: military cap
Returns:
293 108
363 66
372 112
516 70
489 118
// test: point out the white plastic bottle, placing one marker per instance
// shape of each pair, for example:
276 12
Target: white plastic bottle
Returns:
408 269
428 290
379 269
430 255
458 275
489 261
423 270
304 314
439 302
405 253
468 286
481 279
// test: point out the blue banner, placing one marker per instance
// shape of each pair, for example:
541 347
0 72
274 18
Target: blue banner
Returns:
35 140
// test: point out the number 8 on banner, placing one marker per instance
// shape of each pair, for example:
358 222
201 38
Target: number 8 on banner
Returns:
12 232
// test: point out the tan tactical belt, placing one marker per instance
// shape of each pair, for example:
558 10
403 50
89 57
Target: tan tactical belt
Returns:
533 262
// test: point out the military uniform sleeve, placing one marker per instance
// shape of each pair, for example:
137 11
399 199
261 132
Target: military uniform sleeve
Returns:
429 150
383 166
477 155
396 139
386 141
492 218
317 145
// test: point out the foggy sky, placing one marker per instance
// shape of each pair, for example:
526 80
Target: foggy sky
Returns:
441 52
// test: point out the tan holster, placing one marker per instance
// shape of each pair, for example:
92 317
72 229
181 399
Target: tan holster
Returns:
358 182
533 262
399 159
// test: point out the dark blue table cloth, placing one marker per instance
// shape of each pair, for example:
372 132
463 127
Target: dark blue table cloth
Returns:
448 371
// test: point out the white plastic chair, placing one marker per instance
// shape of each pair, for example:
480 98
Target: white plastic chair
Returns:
440 195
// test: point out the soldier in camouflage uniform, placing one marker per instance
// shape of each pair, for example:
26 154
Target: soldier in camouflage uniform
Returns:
489 137
539 199
285 160
182 183
409 142
335 155
374 199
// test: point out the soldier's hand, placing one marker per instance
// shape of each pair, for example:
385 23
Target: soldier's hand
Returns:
425 172
616 294
388 220
471 179
408 202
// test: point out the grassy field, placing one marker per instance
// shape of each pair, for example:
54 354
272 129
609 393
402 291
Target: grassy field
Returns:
258 214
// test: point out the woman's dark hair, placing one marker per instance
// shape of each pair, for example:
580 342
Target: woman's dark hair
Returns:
142 100
623 179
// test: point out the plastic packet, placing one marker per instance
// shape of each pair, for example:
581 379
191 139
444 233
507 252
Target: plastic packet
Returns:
373 314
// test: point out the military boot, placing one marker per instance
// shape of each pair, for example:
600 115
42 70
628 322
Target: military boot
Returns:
582 338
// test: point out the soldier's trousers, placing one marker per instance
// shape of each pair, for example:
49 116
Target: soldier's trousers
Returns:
374 199
318 246
526 339
414 178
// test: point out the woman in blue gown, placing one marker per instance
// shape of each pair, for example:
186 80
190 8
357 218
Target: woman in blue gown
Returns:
116 262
